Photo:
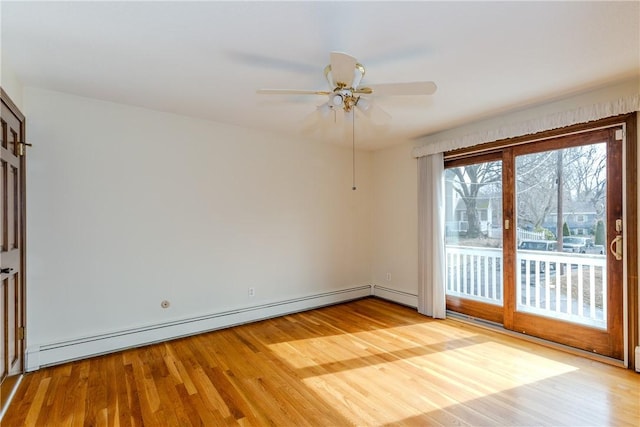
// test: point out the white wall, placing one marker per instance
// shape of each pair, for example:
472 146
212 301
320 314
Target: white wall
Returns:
128 207
10 82
395 221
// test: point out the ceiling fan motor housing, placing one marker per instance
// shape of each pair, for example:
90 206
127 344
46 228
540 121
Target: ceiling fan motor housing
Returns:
343 98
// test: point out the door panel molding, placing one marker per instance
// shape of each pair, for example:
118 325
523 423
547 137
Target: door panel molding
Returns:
12 248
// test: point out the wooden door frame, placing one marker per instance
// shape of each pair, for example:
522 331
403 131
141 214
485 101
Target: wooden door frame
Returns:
630 202
13 108
630 209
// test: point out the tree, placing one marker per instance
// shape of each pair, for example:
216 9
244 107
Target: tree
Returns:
558 181
600 237
586 174
535 188
468 181
565 230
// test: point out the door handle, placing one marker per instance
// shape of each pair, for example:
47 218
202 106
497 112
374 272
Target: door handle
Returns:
617 252
6 270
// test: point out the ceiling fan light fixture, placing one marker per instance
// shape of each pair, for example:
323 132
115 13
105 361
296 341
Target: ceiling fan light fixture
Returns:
329 76
363 104
337 100
358 74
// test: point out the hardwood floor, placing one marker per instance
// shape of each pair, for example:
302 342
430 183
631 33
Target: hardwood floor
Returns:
365 363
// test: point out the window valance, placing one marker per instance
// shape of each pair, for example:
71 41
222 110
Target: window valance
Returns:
623 105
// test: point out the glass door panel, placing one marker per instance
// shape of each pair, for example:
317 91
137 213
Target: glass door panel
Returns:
473 238
566 285
561 234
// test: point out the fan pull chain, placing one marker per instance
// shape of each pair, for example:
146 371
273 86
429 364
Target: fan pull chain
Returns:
353 145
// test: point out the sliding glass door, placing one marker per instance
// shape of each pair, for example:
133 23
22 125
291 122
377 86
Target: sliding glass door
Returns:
533 239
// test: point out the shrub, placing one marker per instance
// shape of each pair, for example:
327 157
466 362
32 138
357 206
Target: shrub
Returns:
599 238
548 235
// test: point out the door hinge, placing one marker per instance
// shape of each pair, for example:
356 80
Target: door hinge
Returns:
21 333
21 149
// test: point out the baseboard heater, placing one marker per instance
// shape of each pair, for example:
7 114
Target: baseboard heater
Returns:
66 351
395 295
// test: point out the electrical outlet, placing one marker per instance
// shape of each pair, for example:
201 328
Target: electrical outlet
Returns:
252 292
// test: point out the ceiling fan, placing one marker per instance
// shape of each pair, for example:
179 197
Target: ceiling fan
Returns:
344 74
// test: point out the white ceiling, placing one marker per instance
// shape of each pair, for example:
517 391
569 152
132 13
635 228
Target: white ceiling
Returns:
206 59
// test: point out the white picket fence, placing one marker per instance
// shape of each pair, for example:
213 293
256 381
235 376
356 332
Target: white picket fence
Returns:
475 273
521 234
565 286
529 235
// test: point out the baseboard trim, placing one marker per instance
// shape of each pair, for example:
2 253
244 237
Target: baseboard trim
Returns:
394 295
66 351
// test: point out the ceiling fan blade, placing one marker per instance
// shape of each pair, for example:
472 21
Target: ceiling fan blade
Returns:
343 68
312 122
291 92
364 90
327 123
410 88
325 110
376 114
258 60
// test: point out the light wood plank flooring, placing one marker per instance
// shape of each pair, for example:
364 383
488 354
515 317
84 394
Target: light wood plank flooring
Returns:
365 363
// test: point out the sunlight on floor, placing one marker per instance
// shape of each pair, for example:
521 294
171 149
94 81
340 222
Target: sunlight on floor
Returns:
347 346
461 366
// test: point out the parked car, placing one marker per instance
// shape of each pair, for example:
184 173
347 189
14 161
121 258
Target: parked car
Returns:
581 245
538 245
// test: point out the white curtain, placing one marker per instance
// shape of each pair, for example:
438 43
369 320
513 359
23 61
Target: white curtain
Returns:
431 258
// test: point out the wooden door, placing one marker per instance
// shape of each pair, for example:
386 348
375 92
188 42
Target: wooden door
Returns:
11 248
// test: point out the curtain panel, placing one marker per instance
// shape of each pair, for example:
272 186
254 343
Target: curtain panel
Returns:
431 251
